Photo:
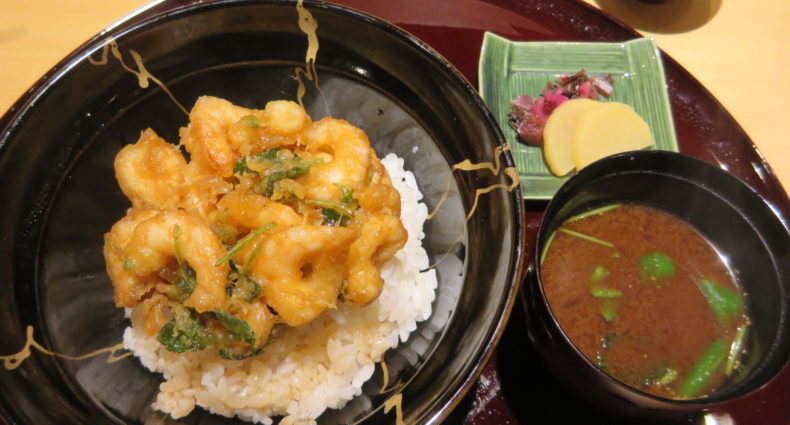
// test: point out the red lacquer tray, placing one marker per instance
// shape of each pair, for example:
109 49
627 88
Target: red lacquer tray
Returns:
514 388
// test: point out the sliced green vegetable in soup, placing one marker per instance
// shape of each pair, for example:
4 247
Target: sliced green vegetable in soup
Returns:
656 266
647 299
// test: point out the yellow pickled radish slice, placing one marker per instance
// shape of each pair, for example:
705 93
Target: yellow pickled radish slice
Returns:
607 129
559 131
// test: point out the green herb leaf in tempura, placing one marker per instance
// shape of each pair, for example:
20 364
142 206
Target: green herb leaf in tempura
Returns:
184 332
270 155
266 185
187 278
237 329
241 168
242 286
333 218
347 196
243 242
337 206
280 164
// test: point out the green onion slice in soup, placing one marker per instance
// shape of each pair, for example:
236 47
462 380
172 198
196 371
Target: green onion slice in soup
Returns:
656 266
705 367
724 302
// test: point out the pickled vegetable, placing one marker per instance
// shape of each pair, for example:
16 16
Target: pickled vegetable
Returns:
609 128
558 134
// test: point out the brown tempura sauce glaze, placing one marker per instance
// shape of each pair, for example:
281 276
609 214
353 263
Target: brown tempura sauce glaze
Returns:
666 323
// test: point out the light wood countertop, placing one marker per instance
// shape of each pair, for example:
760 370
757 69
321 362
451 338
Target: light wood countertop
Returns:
737 49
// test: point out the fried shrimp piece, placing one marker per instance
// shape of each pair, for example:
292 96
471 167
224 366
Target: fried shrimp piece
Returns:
307 208
377 172
201 190
150 172
350 153
129 288
285 118
302 270
276 126
152 248
258 316
380 198
206 137
152 313
381 236
249 211
252 211
220 132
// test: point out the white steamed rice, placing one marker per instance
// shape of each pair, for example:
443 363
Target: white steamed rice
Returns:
306 370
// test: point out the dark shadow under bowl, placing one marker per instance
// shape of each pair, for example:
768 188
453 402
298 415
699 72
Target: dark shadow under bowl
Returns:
729 214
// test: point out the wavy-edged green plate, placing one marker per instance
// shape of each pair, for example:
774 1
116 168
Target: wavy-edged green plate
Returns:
508 69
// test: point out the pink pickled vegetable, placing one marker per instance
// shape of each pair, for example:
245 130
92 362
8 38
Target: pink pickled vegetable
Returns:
528 115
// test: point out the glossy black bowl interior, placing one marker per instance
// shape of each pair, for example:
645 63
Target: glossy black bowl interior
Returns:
60 196
754 240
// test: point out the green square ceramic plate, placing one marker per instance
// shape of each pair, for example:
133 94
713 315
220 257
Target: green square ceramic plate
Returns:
509 69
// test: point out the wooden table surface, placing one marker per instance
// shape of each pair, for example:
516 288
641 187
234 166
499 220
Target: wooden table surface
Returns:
737 49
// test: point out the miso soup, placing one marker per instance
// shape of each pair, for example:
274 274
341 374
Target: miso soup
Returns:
647 299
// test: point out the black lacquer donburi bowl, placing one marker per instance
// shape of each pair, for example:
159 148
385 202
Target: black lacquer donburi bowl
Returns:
743 226
57 146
